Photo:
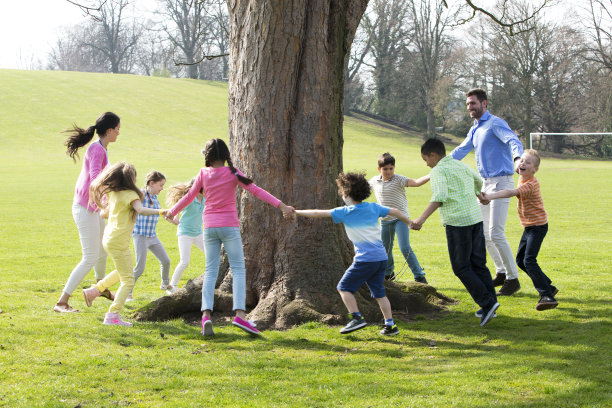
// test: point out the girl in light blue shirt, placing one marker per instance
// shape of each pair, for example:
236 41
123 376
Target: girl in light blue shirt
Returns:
189 229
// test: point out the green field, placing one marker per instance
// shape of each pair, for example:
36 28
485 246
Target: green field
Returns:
523 358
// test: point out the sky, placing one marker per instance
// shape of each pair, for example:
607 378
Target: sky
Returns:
29 28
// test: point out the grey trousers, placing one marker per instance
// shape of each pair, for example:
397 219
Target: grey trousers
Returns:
153 244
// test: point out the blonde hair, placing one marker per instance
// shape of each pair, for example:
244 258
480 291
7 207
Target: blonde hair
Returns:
118 177
535 154
178 191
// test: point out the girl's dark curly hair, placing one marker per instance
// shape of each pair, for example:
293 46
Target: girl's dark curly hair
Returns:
354 185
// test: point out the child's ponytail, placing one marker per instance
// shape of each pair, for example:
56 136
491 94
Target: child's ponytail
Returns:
244 180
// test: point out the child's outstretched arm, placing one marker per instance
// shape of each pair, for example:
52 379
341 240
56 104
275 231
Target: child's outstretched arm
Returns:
313 213
417 182
431 208
499 194
140 209
394 212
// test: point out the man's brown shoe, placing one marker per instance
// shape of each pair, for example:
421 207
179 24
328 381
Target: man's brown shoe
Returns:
499 279
510 287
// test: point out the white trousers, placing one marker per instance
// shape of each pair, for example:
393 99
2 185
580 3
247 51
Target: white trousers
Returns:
185 242
494 216
91 231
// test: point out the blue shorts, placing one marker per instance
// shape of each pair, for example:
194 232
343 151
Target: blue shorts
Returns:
370 273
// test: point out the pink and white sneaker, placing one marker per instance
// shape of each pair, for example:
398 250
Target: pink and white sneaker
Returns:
90 295
244 325
115 319
207 326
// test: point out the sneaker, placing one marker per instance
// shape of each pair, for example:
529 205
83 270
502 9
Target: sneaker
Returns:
207 327
510 287
499 279
388 330
107 294
546 302
421 279
90 294
244 325
390 277
165 286
171 289
478 314
487 314
354 324
115 319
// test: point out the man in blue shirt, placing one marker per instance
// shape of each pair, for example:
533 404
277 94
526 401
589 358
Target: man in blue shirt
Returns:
497 148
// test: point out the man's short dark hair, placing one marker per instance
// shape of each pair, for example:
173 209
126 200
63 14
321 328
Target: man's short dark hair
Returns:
433 146
385 159
354 185
480 93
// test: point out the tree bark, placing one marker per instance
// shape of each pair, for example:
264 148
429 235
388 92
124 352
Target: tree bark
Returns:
285 121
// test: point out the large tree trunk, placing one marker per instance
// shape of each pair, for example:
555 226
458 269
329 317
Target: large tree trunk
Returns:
285 120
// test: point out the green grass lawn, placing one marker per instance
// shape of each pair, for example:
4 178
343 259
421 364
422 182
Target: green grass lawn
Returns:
523 358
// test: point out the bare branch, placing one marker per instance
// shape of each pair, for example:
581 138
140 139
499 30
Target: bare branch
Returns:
514 27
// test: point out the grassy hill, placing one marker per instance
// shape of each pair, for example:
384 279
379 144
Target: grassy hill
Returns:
523 358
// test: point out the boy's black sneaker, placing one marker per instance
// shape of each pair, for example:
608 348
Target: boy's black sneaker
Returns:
546 302
421 279
488 313
354 324
478 314
388 330
390 277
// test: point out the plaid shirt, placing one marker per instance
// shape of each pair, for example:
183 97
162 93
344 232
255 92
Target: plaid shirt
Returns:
145 224
454 184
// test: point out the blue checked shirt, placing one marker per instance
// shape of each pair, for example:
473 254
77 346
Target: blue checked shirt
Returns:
145 224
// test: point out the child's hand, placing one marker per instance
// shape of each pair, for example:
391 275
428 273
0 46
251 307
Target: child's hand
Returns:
416 224
166 214
288 211
483 199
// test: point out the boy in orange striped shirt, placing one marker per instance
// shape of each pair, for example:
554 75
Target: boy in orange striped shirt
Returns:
534 219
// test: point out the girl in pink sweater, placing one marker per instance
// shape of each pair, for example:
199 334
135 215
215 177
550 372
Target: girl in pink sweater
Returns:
221 226
85 213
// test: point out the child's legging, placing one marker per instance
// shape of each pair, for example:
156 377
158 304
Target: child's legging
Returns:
122 257
141 246
185 242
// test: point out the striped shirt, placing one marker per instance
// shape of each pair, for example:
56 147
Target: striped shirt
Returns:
455 184
391 193
145 224
530 205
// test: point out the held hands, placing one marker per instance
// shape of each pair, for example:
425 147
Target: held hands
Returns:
288 211
484 200
417 224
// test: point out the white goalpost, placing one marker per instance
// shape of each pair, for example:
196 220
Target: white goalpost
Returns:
531 135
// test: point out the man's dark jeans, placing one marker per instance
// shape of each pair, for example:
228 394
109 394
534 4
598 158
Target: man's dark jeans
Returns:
468 257
528 250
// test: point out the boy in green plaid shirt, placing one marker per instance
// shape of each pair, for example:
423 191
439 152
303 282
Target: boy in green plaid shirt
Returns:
454 186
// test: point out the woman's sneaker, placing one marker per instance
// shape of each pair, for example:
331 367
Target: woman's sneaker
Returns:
388 330
115 319
207 327
244 325
90 295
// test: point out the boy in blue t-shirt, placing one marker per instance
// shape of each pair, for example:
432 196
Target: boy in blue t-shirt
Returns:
361 222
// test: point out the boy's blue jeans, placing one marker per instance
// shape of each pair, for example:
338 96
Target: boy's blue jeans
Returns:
468 257
388 230
232 242
528 250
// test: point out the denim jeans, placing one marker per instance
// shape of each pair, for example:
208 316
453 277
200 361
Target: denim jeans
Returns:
388 229
468 257
232 242
526 255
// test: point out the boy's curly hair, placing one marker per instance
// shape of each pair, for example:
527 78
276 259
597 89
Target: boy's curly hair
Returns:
354 185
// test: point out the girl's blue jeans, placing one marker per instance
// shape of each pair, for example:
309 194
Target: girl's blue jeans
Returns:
388 230
232 242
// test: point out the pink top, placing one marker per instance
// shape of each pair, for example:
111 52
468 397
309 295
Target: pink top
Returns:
219 185
93 163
